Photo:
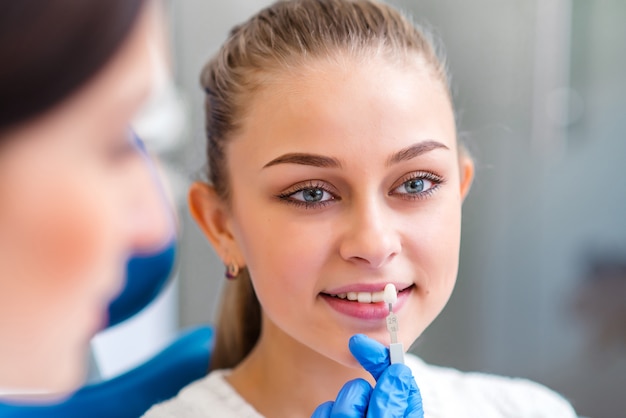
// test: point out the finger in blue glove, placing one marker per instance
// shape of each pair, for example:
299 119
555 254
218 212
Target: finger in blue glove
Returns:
323 411
371 354
396 395
395 383
352 402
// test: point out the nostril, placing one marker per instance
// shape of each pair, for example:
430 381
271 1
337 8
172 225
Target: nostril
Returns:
373 260
370 238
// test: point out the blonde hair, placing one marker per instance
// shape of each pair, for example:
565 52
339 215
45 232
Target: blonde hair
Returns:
280 38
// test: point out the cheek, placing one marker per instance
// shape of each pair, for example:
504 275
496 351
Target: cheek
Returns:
435 255
64 232
59 273
64 256
284 257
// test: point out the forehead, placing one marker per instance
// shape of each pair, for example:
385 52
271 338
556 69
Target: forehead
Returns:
329 103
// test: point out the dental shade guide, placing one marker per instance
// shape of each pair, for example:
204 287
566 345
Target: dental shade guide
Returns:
396 351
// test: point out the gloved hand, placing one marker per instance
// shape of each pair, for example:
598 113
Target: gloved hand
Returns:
396 394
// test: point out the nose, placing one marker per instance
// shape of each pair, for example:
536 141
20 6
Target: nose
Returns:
370 238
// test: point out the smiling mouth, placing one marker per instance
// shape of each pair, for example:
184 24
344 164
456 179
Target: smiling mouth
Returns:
363 297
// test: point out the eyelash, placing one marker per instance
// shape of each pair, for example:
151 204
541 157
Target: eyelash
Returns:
287 195
420 175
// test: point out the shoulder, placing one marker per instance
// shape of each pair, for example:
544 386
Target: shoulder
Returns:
450 392
211 396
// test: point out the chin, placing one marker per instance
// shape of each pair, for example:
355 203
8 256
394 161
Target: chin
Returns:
347 359
65 377
49 384
66 386
342 356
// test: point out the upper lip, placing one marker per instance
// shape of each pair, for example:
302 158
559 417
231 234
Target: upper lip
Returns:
366 287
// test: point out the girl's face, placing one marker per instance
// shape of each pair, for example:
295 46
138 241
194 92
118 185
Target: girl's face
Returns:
77 199
346 178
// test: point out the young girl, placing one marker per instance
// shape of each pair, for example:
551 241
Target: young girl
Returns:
334 169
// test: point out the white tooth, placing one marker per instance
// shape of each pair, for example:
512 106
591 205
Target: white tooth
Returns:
378 296
365 297
342 295
352 296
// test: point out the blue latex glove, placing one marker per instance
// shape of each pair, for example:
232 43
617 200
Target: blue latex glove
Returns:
396 394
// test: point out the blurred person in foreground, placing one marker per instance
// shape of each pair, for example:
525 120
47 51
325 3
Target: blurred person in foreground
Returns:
77 195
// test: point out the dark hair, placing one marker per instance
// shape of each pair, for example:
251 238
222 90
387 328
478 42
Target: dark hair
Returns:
285 37
48 49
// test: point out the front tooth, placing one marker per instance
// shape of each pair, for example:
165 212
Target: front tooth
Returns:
378 296
364 297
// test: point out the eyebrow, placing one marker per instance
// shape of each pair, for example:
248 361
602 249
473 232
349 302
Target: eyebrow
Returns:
322 161
415 150
305 159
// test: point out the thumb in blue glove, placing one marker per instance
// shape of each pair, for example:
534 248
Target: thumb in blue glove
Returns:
396 393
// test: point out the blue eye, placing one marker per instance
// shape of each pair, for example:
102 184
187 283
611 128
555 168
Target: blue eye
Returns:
311 194
418 185
414 186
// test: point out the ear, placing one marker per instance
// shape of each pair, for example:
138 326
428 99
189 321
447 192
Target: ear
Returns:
212 216
466 170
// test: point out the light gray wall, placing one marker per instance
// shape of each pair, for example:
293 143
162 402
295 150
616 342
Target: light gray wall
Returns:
534 209
198 29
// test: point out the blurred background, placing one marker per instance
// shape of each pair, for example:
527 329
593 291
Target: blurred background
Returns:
540 92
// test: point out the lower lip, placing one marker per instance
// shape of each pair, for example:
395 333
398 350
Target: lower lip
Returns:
375 311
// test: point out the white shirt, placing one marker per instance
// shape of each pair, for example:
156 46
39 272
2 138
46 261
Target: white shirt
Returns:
446 393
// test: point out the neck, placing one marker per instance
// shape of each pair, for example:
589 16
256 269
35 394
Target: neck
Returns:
284 378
